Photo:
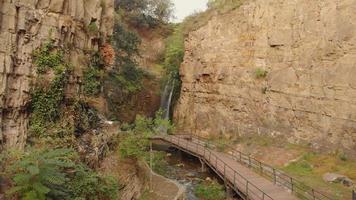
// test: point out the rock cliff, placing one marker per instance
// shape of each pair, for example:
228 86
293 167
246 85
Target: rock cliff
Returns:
24 26
308 50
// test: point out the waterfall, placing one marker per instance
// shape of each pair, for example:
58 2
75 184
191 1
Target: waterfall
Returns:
166 99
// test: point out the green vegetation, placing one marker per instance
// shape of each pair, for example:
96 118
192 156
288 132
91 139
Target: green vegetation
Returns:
312 166
145 13
126 73
55 174
158 162
136 142
260 73
47 98
47 57
93 28
173 57
93 75
198 20
55 120
210 190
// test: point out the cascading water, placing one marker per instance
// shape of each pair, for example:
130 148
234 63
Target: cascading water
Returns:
166 99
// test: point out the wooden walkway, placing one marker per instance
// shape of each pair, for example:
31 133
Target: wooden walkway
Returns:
237 173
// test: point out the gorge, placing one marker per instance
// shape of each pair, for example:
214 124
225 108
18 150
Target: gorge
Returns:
99 79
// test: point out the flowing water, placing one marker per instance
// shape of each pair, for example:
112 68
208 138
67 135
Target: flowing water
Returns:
166 99
186 170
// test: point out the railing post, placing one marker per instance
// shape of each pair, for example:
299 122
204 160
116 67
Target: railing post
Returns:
353 195
225 175
247 189
291 184
274 176
249 161
234 179
261 167
313 194
240 156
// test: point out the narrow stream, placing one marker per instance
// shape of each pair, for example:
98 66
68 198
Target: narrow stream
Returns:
185 169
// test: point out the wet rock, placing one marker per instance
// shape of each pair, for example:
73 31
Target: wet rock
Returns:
337 178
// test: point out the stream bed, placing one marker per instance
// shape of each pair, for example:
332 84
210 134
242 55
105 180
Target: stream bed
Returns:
186 170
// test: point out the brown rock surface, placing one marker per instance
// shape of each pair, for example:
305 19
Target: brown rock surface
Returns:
308 49
24 26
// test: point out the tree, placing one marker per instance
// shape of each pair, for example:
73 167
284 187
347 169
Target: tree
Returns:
161 9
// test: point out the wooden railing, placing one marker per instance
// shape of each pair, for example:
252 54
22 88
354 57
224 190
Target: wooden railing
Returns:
278 177
353 195
239 183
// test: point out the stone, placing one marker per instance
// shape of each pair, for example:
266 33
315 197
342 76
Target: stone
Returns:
337 178
25 26
308 95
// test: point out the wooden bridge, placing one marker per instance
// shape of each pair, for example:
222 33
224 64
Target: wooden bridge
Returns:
248 177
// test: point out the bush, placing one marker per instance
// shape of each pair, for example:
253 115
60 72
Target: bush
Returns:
57 174
210 191
47 57
40 174
159 163
136 142
92 78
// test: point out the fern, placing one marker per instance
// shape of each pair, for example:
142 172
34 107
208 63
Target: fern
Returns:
58 175
40 172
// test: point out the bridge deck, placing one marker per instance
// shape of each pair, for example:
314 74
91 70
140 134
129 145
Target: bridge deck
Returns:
246 182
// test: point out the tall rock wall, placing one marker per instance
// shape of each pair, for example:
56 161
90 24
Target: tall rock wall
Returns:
308 49
24 26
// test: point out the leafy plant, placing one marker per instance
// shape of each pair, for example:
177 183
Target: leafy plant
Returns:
158 162
88 185
136 142
210 190
41 173
47 57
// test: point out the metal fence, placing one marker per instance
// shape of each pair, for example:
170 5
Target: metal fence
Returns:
280 178
238 182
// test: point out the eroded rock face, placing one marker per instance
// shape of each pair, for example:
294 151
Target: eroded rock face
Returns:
308 49
24 26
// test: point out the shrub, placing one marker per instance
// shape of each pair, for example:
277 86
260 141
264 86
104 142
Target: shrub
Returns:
39 174
158 162
93 28
136 142
42 174
88 185
47 57
210 191
260 73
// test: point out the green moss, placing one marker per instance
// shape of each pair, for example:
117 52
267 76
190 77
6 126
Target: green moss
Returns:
260 73
93 28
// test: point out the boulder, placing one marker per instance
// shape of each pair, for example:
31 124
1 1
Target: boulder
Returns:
337 178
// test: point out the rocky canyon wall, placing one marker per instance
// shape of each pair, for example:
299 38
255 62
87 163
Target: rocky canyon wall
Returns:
308 49
27 24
